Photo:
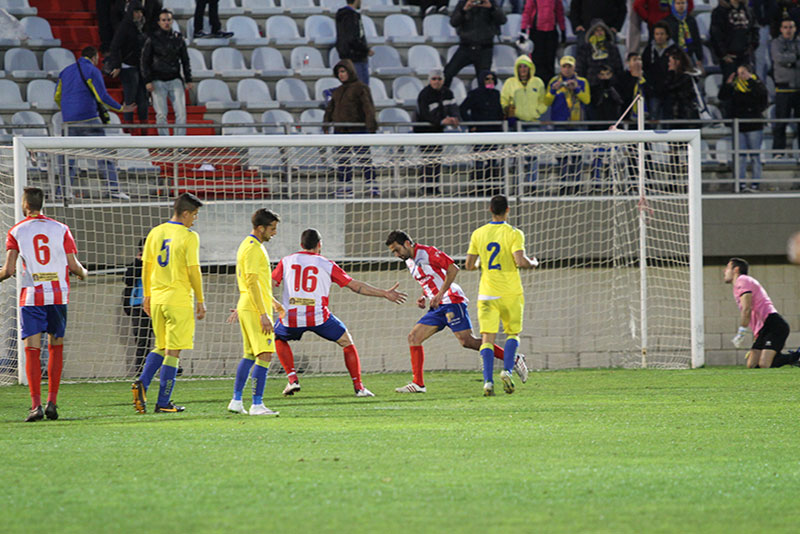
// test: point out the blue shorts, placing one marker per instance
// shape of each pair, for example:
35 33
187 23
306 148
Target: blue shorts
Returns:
332 330
454 316
51 318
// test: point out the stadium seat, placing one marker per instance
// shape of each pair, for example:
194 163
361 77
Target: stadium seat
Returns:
401 29
204 42
371 32
229 63
229 8
39 32
300 7
320 30
198 64
55 60
41 93
712 84
459 90
510 30
22 63
379 96
386 62
254 94
322 84
312 116
503 58
5 137
269 62
437 29
315 67
423 59
245 31
469 70
282 30
24 118
406 89
18 8
333 57
214 95
238 116
277 119
179 7
11 98
293 93
114 119
261 7
380 6
394 115
709 63
703 24
57 125
332 6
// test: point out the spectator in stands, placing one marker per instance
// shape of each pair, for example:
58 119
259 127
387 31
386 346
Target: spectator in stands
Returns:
597 51
540 21
132 300
436 106
631 84
151 10
477 22
652 11
583 12
164 57
351 42
681 92
734 35
523 95
785 53
126 52
655 60
606 102
213 20
352 102
104 25
80 92
483 104
748 97
780 10
683 29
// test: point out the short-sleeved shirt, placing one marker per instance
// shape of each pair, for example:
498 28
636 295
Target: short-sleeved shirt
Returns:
307 280
495 243
252 258
429 267
171 248
761 305
43 245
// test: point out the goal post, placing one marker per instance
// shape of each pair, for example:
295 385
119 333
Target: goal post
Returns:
576 195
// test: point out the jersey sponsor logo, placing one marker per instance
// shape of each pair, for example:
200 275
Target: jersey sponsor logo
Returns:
45 277
298 301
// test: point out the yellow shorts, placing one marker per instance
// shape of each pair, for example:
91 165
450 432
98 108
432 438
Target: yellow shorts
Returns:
254 340
173 326
509 310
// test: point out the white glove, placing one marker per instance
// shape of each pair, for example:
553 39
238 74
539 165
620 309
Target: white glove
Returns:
738 339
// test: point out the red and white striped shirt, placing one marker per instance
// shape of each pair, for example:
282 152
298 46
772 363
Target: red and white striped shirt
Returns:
307 279
429 268
43 245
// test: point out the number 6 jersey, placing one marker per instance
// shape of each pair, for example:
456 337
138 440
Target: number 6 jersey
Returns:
307 279
43 245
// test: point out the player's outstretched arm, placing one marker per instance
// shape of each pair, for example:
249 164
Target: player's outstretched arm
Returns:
523 261
391 294
76 268
472 262
10 266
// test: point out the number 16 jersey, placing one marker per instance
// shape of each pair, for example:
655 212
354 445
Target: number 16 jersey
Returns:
171 248
495 244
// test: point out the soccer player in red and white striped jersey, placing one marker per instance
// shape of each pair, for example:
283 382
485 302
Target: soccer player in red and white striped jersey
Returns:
436 273
307 278
47 250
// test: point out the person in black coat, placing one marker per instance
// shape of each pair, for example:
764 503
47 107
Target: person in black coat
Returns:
477 23
132 298
124 59
631 84
483 104
684 31
682 97
655 59
436 106
597 51
351 41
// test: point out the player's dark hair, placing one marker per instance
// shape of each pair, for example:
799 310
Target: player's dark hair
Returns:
34 197
186 202
89 52
264 217
399 237
663 25
310 238
741 264
499 204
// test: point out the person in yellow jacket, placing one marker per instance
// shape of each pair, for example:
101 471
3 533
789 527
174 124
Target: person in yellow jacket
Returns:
523 94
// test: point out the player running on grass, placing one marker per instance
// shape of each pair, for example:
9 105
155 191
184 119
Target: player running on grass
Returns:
436 273
501 249
255 312
173 297
48 253
307 277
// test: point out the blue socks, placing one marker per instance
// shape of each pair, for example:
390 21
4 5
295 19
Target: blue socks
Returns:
259 381
510 355
245 364
167 382
151 366
487 353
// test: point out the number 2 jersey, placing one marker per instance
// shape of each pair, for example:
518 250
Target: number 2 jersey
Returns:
495 243
429 267
171 248
43 245
307 279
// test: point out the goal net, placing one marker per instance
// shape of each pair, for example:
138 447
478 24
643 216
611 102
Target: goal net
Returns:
614 218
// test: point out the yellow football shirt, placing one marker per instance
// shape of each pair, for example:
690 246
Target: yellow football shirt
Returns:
252 258
171 248
495 244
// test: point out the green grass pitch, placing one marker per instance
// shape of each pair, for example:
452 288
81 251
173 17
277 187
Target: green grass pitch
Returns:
709 450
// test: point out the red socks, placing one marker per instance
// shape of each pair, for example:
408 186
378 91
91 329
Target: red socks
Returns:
417 359
33 369
286 357
498 352
54 366
353 365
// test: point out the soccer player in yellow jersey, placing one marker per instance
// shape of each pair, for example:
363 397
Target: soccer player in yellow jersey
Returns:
173 297
501 249
255 312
